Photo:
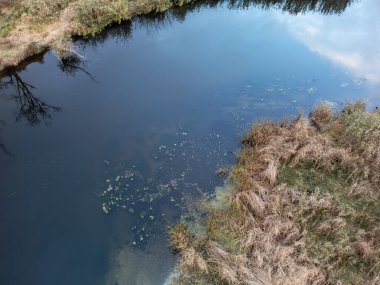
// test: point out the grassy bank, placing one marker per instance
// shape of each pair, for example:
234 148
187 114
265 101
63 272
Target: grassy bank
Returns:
304 209
28 27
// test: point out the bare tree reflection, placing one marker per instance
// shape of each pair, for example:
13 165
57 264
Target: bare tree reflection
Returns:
72 64
28 107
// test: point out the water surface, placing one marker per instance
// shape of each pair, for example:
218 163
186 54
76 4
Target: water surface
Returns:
101 152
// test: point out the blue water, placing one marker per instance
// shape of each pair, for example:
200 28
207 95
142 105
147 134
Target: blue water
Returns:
152 109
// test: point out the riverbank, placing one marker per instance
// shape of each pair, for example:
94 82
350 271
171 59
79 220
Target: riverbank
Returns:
31 27
301 206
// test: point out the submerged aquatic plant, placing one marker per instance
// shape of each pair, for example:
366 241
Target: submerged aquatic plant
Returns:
305 209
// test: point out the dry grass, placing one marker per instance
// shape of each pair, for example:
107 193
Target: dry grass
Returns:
42 10
359 131
93 18
10 13
306 208
29 27
321 115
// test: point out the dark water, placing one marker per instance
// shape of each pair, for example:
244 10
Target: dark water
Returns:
101 152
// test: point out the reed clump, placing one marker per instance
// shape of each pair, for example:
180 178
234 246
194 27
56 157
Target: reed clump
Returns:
305 209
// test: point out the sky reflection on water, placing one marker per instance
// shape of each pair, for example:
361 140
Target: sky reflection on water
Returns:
351 40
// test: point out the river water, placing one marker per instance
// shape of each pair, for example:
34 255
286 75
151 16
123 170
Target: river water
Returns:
100 153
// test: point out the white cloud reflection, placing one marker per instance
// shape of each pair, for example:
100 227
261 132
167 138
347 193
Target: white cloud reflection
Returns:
351 39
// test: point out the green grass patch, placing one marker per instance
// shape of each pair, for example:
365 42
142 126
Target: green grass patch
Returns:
308 178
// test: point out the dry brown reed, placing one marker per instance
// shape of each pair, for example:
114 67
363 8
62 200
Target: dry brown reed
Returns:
306 207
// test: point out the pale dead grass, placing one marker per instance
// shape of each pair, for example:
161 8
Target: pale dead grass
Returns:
306 208
321 115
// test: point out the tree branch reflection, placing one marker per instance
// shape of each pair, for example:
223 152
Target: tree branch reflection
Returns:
28 107
71 65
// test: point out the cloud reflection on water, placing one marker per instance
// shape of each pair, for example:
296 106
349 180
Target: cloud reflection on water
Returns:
352 40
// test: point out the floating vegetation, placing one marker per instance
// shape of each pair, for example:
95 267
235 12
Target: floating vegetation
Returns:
312 90
284 97
157 195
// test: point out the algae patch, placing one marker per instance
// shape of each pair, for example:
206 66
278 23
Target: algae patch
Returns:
158 190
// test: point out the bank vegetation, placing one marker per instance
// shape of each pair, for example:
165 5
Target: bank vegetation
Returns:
305 208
